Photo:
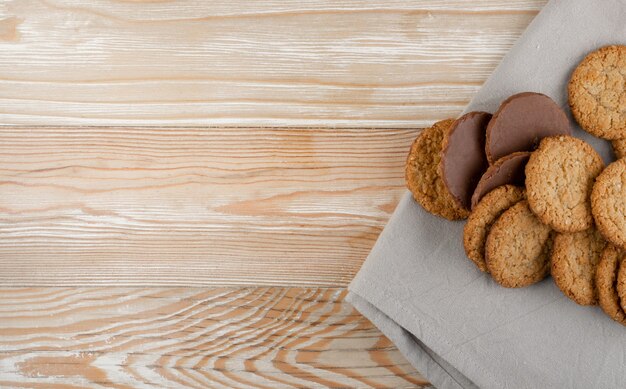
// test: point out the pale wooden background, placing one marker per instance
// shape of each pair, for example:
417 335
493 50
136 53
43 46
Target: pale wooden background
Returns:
220 145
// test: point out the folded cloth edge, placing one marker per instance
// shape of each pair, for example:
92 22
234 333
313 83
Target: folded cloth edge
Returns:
439 372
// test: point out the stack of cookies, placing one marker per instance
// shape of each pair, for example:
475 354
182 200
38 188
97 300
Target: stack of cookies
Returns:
538 201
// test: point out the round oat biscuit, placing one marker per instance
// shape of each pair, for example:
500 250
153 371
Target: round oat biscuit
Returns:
575 257
619 147
559 179
606 278
517 251
485 213
597 92
422 173
608 203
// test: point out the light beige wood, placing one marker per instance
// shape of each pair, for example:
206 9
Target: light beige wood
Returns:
269 63
192 338
194 206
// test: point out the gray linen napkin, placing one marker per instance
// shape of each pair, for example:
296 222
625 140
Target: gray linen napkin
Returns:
453 323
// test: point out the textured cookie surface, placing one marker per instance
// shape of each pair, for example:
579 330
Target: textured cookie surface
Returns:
619 147
463 159
597 92
482 218
606 279
521 122
608 203
575 257
422 173
518 246
559 179
621 285
506 170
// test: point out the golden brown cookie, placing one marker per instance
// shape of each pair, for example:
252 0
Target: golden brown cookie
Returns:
621 285
559 179
422 173
575 257
492 205
608 203
518 248
619 147
606 278
597 92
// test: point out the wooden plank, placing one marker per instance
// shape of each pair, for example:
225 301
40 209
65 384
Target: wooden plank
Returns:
194 206
271 63
192 338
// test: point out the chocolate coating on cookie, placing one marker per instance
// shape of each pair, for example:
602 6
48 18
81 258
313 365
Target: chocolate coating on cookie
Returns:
422 173
506 170
463 158
521 122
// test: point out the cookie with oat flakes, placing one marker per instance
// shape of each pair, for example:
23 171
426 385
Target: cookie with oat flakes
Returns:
559 177
611 261
597 92
484 214
608 203
517 251
575 257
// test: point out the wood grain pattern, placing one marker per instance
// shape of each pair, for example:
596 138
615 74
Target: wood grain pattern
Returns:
190 205
194 206
308 63
192 338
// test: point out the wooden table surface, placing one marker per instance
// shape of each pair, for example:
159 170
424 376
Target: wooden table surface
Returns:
186 189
